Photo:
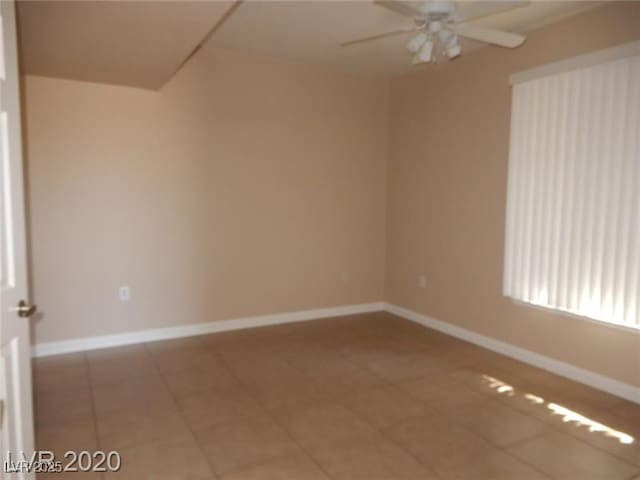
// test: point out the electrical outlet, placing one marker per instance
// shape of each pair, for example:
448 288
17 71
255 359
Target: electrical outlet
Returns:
422 281
124 293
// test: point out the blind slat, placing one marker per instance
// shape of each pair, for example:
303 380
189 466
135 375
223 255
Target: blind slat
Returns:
573 199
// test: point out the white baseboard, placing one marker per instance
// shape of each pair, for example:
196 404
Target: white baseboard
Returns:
120 339
595 380
592 379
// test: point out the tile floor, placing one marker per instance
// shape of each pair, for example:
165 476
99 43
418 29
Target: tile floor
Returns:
365 397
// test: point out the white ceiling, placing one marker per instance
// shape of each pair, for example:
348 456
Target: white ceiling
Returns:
313 31
141 43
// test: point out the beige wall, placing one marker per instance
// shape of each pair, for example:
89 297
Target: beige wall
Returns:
246 186
447 191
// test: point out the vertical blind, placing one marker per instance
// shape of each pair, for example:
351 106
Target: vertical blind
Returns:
573 201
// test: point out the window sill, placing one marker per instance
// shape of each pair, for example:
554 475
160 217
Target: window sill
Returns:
557 311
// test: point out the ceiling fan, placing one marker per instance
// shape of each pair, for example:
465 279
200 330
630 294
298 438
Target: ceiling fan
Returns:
440 23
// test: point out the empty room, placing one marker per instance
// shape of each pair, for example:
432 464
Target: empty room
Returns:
320 240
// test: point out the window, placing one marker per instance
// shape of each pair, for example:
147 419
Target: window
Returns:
573 202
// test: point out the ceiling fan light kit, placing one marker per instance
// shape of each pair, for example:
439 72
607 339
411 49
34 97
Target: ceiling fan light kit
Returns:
423 43
425 54
449 42
440 23
416 42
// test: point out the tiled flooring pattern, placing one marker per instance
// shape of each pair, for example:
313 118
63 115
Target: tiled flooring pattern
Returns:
367 397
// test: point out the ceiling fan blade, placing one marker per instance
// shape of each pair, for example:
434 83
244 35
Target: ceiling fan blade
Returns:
379 36
470 10
403 8
488 35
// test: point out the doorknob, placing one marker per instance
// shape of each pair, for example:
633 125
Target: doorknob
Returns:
24 309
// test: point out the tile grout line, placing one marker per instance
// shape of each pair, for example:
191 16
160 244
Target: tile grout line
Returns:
552 425
366 421
555 427
205 349
94 414
278 352
275 420
464 427
389 384
179 411
503 449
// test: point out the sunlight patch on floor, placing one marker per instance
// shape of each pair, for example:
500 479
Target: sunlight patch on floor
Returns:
593 426
568 415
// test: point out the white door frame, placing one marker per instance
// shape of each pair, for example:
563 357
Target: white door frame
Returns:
16 429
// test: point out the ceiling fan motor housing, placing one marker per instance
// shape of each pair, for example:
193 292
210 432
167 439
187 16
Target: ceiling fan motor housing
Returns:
436 10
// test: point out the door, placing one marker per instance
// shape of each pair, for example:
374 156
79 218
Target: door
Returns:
15 360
